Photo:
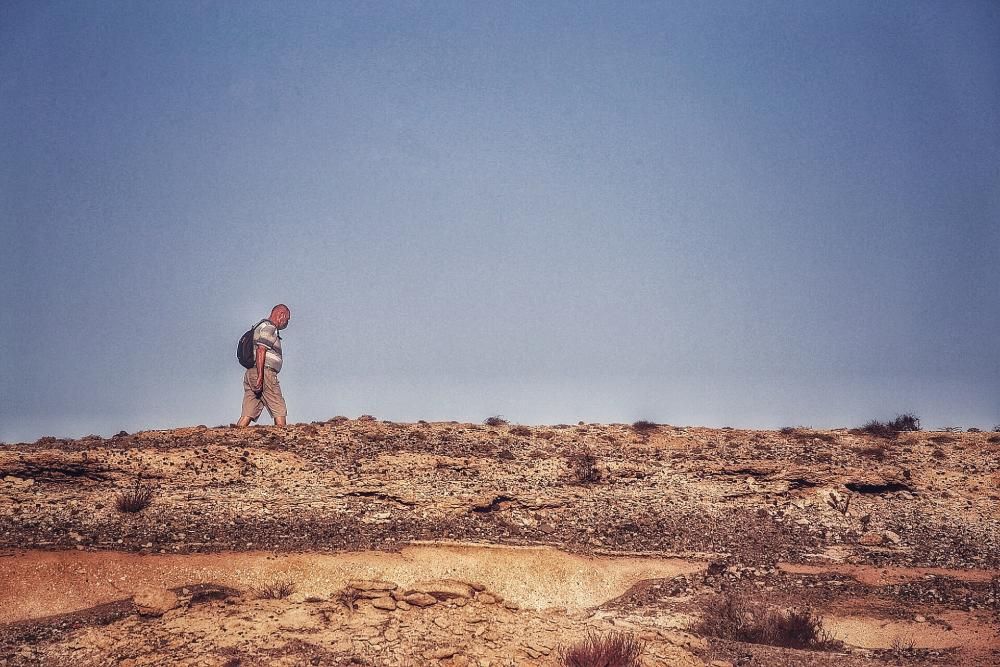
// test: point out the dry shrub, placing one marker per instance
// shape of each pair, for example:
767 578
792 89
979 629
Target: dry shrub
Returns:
741 619
616 649
904 422
495 420
135 499
547 435
644 426
522 431
276 588
348 597
583 467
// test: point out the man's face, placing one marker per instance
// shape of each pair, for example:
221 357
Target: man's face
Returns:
282 319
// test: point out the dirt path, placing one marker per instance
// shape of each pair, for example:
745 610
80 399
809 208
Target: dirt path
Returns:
43 583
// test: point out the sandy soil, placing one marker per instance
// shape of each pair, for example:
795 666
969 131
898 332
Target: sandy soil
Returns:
461 544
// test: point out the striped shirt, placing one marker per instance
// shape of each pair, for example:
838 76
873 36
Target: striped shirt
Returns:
266 336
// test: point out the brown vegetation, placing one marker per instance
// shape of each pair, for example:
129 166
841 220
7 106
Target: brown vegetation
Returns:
743 619
136 498
616 649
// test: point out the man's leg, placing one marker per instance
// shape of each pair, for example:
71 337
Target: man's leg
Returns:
272 398
252 404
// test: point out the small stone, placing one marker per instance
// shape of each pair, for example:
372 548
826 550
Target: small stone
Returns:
721 663
391 635
870 539
802 522
486 598
892 537
919 618
403 604
441 622
513 606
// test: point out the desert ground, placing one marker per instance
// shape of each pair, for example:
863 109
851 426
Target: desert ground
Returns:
366 542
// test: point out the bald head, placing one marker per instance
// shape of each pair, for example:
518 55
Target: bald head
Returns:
280 315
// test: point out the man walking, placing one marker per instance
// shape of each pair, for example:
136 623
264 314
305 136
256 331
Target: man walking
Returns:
260 383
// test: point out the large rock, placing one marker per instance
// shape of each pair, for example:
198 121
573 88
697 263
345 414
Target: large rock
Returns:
297 619
368 585
385 602
154 601
443 589
420 599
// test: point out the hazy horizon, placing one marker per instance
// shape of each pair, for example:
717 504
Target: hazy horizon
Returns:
720 214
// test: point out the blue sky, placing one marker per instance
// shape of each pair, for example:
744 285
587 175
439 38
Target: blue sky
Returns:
748 214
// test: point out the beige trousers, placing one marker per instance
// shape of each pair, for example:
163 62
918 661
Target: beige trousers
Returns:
270 397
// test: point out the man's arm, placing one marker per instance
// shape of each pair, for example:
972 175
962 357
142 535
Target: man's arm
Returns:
261 353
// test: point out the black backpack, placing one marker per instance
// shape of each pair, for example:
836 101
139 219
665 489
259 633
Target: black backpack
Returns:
244 349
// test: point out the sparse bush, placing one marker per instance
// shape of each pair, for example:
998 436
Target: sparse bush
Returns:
973 429
839 502
878 429
366 418
787 430
348 597
522 431
905 422
276 588
996 429
495 420
136 498
644 426
901 648
737 618
583 466
616 649
939 454
890 429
